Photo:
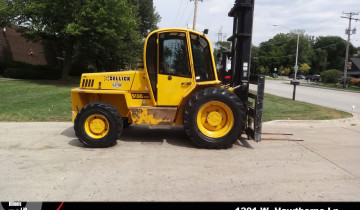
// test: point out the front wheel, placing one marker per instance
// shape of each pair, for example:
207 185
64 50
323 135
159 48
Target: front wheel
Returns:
214 118
98 124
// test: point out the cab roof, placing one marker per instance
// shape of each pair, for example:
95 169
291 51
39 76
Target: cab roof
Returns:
177 29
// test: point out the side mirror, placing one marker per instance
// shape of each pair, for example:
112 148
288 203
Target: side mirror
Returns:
206 31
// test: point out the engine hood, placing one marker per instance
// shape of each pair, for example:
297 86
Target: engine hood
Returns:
121 80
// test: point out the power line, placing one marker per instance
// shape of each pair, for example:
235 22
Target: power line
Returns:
187 21
178 12
183 12
220 35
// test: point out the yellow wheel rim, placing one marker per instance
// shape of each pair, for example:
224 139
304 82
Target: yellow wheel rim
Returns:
215 119
96 126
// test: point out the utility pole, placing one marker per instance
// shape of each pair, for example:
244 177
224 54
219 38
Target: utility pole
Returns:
220 35
348 31
195 12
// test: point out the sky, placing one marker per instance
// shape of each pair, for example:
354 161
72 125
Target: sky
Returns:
316 17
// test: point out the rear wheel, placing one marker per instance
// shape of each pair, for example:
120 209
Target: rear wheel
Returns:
214 118
98 125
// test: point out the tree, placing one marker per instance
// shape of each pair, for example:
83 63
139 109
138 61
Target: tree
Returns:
255 62
264 70
304 68
357 54
99 26
6 12
281 50
220 47
320 61
147 14
335 48
286 71
109 58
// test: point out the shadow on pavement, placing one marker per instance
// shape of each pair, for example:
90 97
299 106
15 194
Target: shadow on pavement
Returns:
175 136
69 132
244 143
77 143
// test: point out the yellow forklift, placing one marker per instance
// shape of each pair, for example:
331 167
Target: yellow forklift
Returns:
176 85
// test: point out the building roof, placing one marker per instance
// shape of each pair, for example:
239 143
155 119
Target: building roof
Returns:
355 67
355 63
14 47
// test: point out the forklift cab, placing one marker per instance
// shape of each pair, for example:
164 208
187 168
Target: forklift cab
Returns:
177 60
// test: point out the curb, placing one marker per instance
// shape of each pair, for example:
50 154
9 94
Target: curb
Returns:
8 79
354 120
309 85
306 84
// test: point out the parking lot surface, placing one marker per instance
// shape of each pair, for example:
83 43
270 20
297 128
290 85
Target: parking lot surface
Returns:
44 161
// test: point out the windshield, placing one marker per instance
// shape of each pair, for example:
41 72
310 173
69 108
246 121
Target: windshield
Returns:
202 58
173 59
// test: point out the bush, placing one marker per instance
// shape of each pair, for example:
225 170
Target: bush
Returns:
330 76
77 69
13 64
34 72
2 68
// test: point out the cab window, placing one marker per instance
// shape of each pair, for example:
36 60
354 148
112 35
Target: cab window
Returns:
202 58
151 62
173 56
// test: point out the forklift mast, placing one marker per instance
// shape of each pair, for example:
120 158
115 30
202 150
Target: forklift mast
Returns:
239 76
243 13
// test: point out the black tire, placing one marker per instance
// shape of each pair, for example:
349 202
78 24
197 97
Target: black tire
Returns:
108 112
203 97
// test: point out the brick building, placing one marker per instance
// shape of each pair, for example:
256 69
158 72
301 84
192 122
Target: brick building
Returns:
13 47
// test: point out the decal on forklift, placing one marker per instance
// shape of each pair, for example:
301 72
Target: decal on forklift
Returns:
140 95
116 85
116 78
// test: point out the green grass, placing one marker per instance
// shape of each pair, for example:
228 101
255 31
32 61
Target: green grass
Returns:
335 86
278 108
50 101
35 101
